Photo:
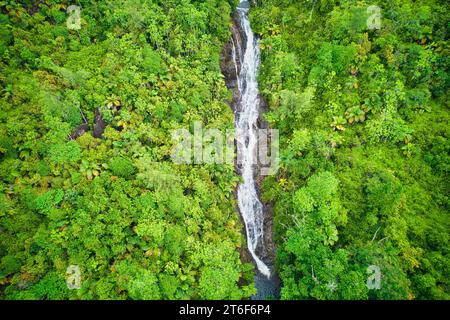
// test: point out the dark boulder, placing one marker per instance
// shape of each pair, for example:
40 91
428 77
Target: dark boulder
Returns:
99 124
79 131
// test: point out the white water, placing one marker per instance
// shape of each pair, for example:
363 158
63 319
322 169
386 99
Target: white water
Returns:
246 124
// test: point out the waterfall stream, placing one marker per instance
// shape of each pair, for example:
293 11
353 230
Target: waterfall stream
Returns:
246 125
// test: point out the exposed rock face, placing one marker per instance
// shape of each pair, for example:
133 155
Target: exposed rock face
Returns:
231 60
99 124
79 131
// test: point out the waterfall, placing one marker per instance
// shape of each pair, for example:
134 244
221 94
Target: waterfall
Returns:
247 114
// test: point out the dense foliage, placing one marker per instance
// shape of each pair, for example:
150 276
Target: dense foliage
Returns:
136 225
363 120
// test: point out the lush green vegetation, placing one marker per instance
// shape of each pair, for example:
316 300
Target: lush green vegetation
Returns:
363 119
137 225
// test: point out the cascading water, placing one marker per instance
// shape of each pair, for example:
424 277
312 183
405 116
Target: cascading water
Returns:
246 124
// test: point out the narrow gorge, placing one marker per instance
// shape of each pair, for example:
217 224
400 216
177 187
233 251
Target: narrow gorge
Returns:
240 66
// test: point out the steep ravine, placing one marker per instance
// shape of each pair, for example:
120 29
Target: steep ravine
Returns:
240 64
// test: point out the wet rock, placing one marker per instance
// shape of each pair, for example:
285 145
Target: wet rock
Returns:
263 108
231 64
79 131
99 124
